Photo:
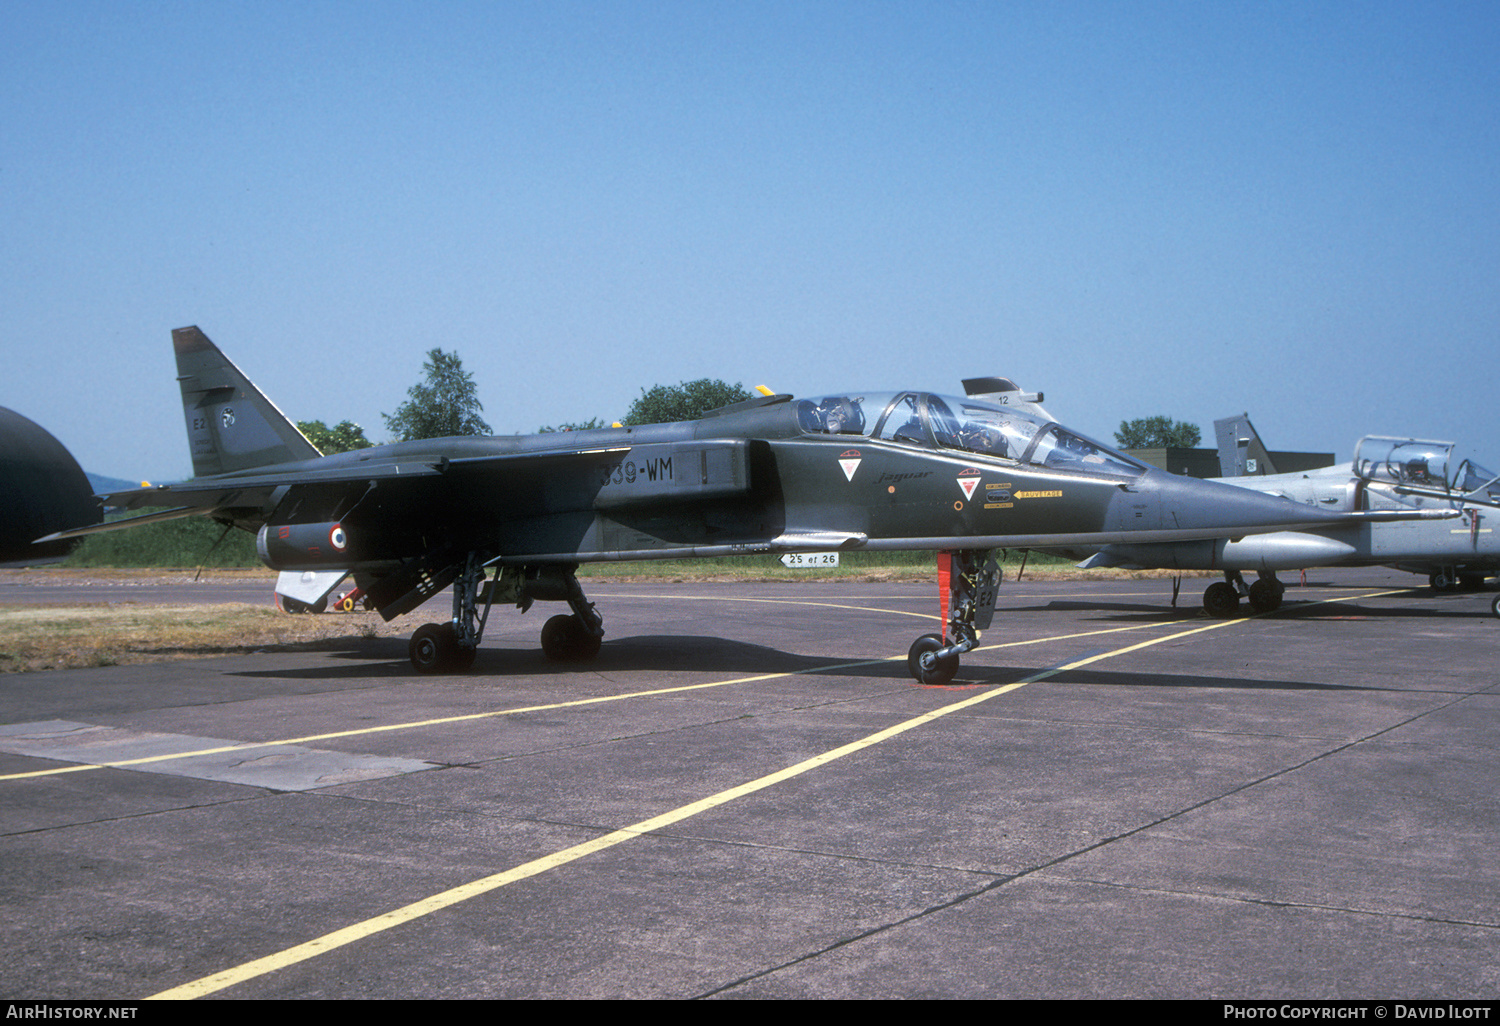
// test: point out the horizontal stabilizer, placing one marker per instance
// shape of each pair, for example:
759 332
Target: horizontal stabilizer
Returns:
128 522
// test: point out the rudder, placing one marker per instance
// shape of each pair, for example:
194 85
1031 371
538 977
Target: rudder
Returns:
1241 452
231 425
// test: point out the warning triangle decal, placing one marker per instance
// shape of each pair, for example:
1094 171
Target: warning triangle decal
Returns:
968 480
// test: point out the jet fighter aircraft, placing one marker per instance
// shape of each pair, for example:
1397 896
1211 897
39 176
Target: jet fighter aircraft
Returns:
511 518
1385 474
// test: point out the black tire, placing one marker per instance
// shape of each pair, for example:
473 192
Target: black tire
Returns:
1495 606
586 644
556 635
1221 600
432 648
1265 596
566 640
1440 581
941 672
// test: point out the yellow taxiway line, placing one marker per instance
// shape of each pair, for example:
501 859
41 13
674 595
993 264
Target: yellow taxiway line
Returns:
468 717
416 910
577 702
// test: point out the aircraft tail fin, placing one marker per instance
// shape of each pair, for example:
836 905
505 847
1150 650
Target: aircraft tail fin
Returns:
1241 451
231 425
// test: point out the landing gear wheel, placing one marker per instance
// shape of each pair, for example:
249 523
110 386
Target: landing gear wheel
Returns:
1495 606
1442 581
434 648
941 671
566 640
463 657
1221 600
1265 596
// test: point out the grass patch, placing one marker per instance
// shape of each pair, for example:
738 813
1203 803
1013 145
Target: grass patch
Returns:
47 637
189 541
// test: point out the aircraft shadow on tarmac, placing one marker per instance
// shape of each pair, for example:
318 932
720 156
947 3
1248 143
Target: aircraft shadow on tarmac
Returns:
1422 608
659 653
1142 612
387 657
1105 678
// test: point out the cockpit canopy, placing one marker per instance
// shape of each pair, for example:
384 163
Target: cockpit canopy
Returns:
1409 461
965 424
1422 466
1478 483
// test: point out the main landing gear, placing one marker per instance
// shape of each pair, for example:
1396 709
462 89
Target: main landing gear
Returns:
1450 579
1222 599
450 647
566 638
969 583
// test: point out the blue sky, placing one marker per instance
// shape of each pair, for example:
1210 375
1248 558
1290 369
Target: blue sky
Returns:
1194 209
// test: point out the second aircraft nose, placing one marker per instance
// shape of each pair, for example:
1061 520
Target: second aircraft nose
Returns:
1187 503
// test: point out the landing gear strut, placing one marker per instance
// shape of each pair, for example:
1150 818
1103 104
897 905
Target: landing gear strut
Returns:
575 638
969 581
450 647
565 638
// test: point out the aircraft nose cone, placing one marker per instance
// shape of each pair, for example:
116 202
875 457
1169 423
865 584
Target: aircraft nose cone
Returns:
1189 503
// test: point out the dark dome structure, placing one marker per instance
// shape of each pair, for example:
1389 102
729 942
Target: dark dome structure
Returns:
42 490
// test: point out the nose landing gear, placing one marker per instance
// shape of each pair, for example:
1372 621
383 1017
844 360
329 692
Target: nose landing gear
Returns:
969 583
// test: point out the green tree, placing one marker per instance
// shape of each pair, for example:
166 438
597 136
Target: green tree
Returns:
344 436
445 404
587 425
1157 433
687 401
